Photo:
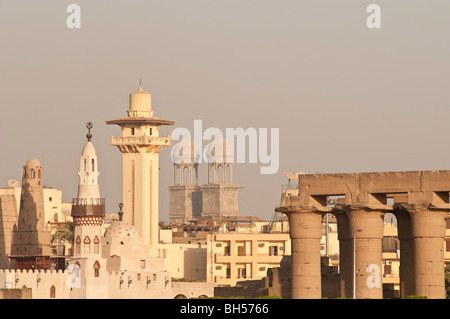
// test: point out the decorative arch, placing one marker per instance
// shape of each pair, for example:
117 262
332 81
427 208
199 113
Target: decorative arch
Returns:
78 245
52 291
96 269
87 245
96 245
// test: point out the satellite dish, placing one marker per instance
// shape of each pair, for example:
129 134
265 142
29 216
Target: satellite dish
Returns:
65 211
13 183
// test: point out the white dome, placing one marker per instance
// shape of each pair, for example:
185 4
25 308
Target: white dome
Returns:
89 149
185 152
121 229
220 151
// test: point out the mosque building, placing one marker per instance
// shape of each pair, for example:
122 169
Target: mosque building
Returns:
119 263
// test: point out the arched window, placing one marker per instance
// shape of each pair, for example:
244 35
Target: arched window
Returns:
93 165
78 245
220 173
52 292
85 168
32 173
96 245
96 269
87 245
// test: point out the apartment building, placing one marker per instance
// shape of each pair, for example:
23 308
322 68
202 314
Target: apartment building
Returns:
234 257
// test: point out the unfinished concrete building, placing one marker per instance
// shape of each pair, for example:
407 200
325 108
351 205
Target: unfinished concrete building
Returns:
216 199
418 199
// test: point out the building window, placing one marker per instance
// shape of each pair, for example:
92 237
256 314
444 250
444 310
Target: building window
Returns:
96 245
242 273
151 131
84 167
52 292
32 173
132 131
87 245
447 245
273 250
142 264
92 165
78 245
387 269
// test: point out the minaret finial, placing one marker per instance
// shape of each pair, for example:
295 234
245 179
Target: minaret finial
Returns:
89 125
120 212
140 83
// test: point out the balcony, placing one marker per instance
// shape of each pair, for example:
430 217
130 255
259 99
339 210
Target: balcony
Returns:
140 140
88 201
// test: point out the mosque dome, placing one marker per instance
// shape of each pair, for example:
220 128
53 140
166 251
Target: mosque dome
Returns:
121 229
140 100
220 151
185 152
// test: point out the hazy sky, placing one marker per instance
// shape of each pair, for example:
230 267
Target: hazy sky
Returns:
345 98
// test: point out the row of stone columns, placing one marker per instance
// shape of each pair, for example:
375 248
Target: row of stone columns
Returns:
421 231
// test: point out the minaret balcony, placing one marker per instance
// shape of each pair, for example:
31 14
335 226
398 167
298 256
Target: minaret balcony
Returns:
88 201
84 207
140 140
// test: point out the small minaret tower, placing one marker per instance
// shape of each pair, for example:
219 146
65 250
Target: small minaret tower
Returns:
140 145
185 198
88 209
220 195
30 246
88 212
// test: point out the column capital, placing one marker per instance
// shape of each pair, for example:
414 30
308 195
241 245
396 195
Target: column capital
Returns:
293 204
422 207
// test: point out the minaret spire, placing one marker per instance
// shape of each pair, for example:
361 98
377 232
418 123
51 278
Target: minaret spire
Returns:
89 126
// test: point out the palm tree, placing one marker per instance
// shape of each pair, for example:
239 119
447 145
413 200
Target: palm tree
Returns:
64 234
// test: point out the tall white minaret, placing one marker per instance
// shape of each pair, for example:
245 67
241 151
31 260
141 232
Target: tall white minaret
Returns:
140 145
88 187
88 209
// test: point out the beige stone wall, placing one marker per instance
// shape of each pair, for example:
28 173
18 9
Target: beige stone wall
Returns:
185 260
24 293
8 218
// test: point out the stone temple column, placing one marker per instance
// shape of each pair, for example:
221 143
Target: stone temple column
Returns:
368 247
345 255
428 232
407 278
305 225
